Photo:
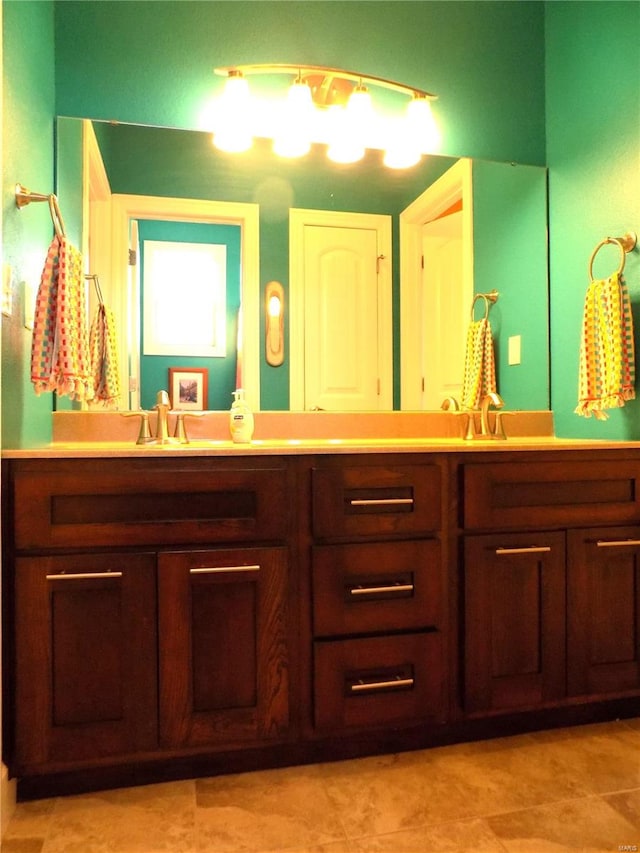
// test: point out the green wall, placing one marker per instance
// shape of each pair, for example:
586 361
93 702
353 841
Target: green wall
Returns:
27 156
593 144
152 62
504 72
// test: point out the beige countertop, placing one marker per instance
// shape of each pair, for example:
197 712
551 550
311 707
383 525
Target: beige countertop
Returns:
112 449
109 434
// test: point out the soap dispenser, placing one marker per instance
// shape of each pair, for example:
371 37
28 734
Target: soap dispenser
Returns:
240 419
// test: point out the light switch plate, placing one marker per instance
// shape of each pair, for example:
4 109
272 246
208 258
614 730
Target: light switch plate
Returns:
514 349
7 294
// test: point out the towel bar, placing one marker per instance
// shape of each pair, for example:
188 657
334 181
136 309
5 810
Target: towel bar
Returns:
24 197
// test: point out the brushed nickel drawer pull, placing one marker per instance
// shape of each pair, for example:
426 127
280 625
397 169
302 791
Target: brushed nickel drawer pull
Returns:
616 543
380 501
533 549
376 590
363 686
83 576
215 570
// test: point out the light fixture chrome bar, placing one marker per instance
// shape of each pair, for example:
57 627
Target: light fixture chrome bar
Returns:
306 70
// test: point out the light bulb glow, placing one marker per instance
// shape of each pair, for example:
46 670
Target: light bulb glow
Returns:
295 127
422 125
233 133
274 306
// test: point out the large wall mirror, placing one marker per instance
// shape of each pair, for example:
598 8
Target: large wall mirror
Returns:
489 218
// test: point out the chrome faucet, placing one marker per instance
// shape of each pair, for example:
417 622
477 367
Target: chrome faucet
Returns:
495 400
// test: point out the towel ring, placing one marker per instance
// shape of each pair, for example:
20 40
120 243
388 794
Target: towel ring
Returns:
489 299
625 244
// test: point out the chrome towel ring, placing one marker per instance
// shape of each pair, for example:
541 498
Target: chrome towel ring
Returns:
626 244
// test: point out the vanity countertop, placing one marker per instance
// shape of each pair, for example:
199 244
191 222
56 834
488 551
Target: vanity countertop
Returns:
199 447
109 434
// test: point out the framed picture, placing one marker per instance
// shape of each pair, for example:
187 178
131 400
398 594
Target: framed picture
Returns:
188 387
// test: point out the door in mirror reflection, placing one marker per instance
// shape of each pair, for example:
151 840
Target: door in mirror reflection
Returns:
344 294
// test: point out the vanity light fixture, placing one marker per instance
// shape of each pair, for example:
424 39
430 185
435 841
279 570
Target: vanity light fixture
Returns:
274 311
328 106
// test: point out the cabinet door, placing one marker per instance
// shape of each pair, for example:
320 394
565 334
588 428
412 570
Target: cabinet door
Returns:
223 656
85 657
514 620
604 611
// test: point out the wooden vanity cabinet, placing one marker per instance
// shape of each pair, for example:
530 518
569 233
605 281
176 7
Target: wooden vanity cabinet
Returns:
551 585
377 590
151 608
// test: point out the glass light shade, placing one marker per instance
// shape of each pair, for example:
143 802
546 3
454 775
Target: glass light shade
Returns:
421 123
402 154
233 133
293 134
346 131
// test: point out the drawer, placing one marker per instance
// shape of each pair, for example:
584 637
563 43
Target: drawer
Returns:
384 586
85 504
375 500
378 680
573 493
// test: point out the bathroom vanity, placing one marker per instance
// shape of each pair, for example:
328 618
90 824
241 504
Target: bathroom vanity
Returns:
175 613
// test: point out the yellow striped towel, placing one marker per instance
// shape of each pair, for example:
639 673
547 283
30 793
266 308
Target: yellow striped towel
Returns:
479 364
607 360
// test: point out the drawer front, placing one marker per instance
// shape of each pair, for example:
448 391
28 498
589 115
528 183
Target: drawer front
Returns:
376 587
376 500
524 495
378 680
78 507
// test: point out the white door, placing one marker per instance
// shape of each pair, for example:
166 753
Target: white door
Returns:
342 294
444 309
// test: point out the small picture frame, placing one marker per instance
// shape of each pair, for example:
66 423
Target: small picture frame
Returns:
188 387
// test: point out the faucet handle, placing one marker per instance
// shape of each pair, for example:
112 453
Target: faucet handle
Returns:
144 435
181 430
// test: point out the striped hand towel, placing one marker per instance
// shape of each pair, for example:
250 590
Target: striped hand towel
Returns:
607 361
104 357
59 347
479 364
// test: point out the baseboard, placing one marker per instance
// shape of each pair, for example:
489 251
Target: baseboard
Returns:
8 795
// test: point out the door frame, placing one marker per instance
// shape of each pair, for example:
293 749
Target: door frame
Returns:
124 208
300 218
454 185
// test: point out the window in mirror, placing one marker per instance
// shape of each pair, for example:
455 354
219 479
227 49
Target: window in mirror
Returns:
184 297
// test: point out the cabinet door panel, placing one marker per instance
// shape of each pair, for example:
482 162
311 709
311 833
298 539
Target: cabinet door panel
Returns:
223 659
514 620
85 657
604 611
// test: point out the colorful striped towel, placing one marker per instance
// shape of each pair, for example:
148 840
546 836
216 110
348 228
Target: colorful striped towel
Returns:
479 364
104 357
59 347
607 361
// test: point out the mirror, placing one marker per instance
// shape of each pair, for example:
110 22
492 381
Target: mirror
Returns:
506 209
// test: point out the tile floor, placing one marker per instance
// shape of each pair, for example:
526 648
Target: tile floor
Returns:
572 790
